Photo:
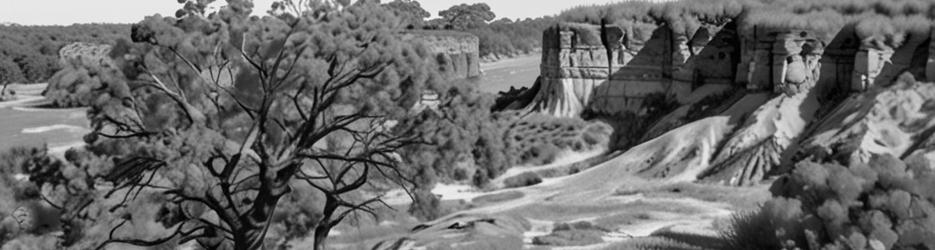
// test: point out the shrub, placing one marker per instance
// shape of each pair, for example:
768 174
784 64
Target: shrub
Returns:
580 233
886 202
23 215
522 180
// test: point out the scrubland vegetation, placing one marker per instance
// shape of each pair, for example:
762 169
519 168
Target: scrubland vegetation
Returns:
29 54
884 204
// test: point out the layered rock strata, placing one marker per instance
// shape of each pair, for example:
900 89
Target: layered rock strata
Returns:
802 74
457 53
609 71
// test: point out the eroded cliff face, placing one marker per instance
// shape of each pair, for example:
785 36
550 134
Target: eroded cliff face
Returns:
608 71
587 68
456 53
791 79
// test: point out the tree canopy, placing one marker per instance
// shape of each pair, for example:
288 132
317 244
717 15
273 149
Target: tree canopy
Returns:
410 11
229 116
467 16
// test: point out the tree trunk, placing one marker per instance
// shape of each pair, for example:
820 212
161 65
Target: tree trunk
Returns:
321 234
324 227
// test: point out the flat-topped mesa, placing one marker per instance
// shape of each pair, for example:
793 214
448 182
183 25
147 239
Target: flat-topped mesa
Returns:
608 70
457 53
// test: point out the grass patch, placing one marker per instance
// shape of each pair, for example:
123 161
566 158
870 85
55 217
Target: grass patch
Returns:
573 211
624 218
743 198
652 243
498 197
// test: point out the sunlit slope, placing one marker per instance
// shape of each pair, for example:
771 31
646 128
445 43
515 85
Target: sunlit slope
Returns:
897 120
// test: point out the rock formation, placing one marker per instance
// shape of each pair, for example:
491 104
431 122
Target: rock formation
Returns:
606 73
457 53
606 70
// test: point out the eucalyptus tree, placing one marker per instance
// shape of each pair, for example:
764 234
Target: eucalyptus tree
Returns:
228 113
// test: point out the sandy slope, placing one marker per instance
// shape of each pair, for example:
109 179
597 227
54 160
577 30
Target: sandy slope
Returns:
899 120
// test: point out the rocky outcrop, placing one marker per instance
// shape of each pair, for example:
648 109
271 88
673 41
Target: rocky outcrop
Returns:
782 61
456 53
611 71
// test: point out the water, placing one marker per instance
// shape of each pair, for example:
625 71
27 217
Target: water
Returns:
516 72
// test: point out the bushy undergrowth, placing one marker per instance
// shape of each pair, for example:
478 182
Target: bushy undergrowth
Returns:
24 218
80 84
885 204
580 233
538 139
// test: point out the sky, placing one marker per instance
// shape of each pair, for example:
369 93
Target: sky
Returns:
65 12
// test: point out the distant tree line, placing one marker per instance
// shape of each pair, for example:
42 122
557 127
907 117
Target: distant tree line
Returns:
29 54
498 37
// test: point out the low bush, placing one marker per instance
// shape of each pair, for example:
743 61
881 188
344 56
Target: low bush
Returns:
538 139
498 197
522 180
23 215
580 233
884 204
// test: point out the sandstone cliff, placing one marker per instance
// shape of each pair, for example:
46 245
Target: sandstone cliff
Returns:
647 88
456 53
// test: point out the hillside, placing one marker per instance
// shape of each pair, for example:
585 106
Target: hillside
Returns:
717 99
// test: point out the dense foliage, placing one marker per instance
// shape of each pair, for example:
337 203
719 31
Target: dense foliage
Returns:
88 79
884 204
241 132
29 54
466 142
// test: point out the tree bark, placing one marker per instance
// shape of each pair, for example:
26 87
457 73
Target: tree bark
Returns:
324 227
321 234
